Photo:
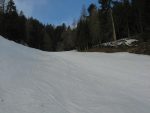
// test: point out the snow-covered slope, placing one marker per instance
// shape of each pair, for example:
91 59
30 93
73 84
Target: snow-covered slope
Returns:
32 81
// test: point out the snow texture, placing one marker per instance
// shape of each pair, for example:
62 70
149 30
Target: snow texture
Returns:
32 81
121 42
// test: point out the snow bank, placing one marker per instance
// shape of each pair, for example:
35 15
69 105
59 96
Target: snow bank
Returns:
32 81
121 42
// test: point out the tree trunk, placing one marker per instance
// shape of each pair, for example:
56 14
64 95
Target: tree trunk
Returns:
140 22
128 29
113 25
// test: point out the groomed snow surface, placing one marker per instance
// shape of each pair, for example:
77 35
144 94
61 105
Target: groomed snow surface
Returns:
32 81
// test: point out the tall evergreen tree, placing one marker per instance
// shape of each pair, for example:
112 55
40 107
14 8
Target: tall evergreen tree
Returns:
11 22
11 7
107 13
83 40
94 24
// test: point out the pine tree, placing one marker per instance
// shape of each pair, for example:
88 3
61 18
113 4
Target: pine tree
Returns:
11 7
83 40
94 24
142 17
126 17
107 17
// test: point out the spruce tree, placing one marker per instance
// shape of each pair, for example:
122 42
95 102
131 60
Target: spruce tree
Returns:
11 7
94 24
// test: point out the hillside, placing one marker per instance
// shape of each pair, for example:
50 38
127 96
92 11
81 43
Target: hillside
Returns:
32 81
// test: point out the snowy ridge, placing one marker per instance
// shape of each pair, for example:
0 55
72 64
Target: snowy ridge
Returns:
32 81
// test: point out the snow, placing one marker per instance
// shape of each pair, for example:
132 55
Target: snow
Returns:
32 81
121 42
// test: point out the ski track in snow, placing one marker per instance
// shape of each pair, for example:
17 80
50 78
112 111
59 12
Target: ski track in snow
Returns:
32 81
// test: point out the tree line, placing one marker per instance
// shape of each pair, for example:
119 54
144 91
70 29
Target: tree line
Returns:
31 32
111 20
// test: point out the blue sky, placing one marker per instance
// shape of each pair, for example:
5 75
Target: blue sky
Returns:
53 11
